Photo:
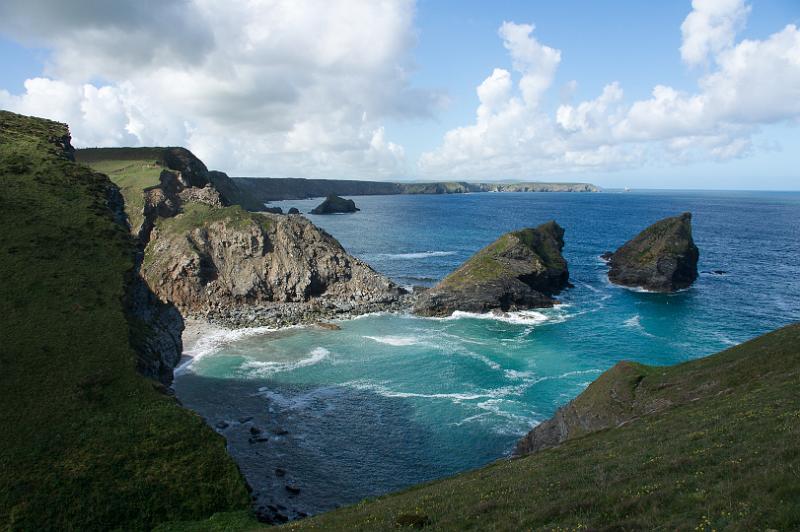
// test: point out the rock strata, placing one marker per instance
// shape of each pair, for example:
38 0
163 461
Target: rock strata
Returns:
522 269
334 204
662 258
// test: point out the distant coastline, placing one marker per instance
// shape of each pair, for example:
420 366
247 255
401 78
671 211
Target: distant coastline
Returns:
266 189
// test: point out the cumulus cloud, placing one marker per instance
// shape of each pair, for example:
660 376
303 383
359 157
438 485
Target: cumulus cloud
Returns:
710 28
260 87
753 83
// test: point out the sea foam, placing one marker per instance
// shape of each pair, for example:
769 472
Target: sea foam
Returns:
265 368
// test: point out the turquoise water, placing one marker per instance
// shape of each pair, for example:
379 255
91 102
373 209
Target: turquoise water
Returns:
392 400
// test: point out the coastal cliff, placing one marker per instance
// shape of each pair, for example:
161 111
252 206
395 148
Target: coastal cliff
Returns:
239 267
275 189
89 442
522 269
662 258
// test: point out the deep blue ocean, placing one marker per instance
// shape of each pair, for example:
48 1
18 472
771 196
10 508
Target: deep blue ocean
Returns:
393 400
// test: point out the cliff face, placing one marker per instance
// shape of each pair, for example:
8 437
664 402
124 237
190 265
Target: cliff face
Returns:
662 258
87 443
220 261
521 269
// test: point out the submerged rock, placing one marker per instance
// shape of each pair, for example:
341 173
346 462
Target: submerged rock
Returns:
294 210
662 258
334 204
522 269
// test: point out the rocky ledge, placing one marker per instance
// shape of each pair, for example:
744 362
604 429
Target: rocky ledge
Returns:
662 258
239 268
334 204
522 269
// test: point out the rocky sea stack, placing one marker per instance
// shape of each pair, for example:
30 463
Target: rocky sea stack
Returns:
662 258
334 204
522 269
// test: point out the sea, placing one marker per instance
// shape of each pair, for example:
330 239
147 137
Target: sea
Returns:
318 418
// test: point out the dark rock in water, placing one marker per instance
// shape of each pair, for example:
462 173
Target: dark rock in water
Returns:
715 272
294 210
292 489
607 255
272 210
255 431
522 269
245 419
280 472
222 425
662 258
280 432
335 204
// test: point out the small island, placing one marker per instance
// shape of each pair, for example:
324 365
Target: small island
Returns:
662 258
521 269
333 204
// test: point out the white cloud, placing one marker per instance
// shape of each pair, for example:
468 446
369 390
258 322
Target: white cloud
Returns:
275 87
710 28
754 83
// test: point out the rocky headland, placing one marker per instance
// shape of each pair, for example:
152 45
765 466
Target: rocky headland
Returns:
520 270
333 204
662 258
243 268
264 189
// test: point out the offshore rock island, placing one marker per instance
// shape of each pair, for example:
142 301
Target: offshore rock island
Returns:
662 258
520 270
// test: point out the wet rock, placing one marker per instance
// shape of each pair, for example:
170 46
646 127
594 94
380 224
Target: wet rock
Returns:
294 490
280 472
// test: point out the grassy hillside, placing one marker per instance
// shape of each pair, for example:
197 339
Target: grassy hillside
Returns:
86 443
727 460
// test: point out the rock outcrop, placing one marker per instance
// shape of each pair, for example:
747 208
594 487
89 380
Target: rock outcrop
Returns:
334 204
522 269
662 258
227 262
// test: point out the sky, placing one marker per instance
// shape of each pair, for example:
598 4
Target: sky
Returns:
680 94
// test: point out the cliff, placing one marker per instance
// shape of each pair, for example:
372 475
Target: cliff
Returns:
229 264
708 444
276 189
522 269
662 258
88 442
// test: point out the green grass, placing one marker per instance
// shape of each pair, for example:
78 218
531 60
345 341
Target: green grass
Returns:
724 456
87 443
487 264
195 215
132 176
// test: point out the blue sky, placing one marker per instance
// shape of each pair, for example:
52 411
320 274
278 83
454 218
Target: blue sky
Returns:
351 111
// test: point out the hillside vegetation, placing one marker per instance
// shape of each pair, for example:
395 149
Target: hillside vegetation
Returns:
723 455
86 442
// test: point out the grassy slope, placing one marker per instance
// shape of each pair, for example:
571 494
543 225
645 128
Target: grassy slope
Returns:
485 266
728 461
132 176
86 442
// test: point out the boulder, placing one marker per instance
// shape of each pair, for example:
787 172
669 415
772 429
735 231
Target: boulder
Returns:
662 258
334 204
522 269
294 210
